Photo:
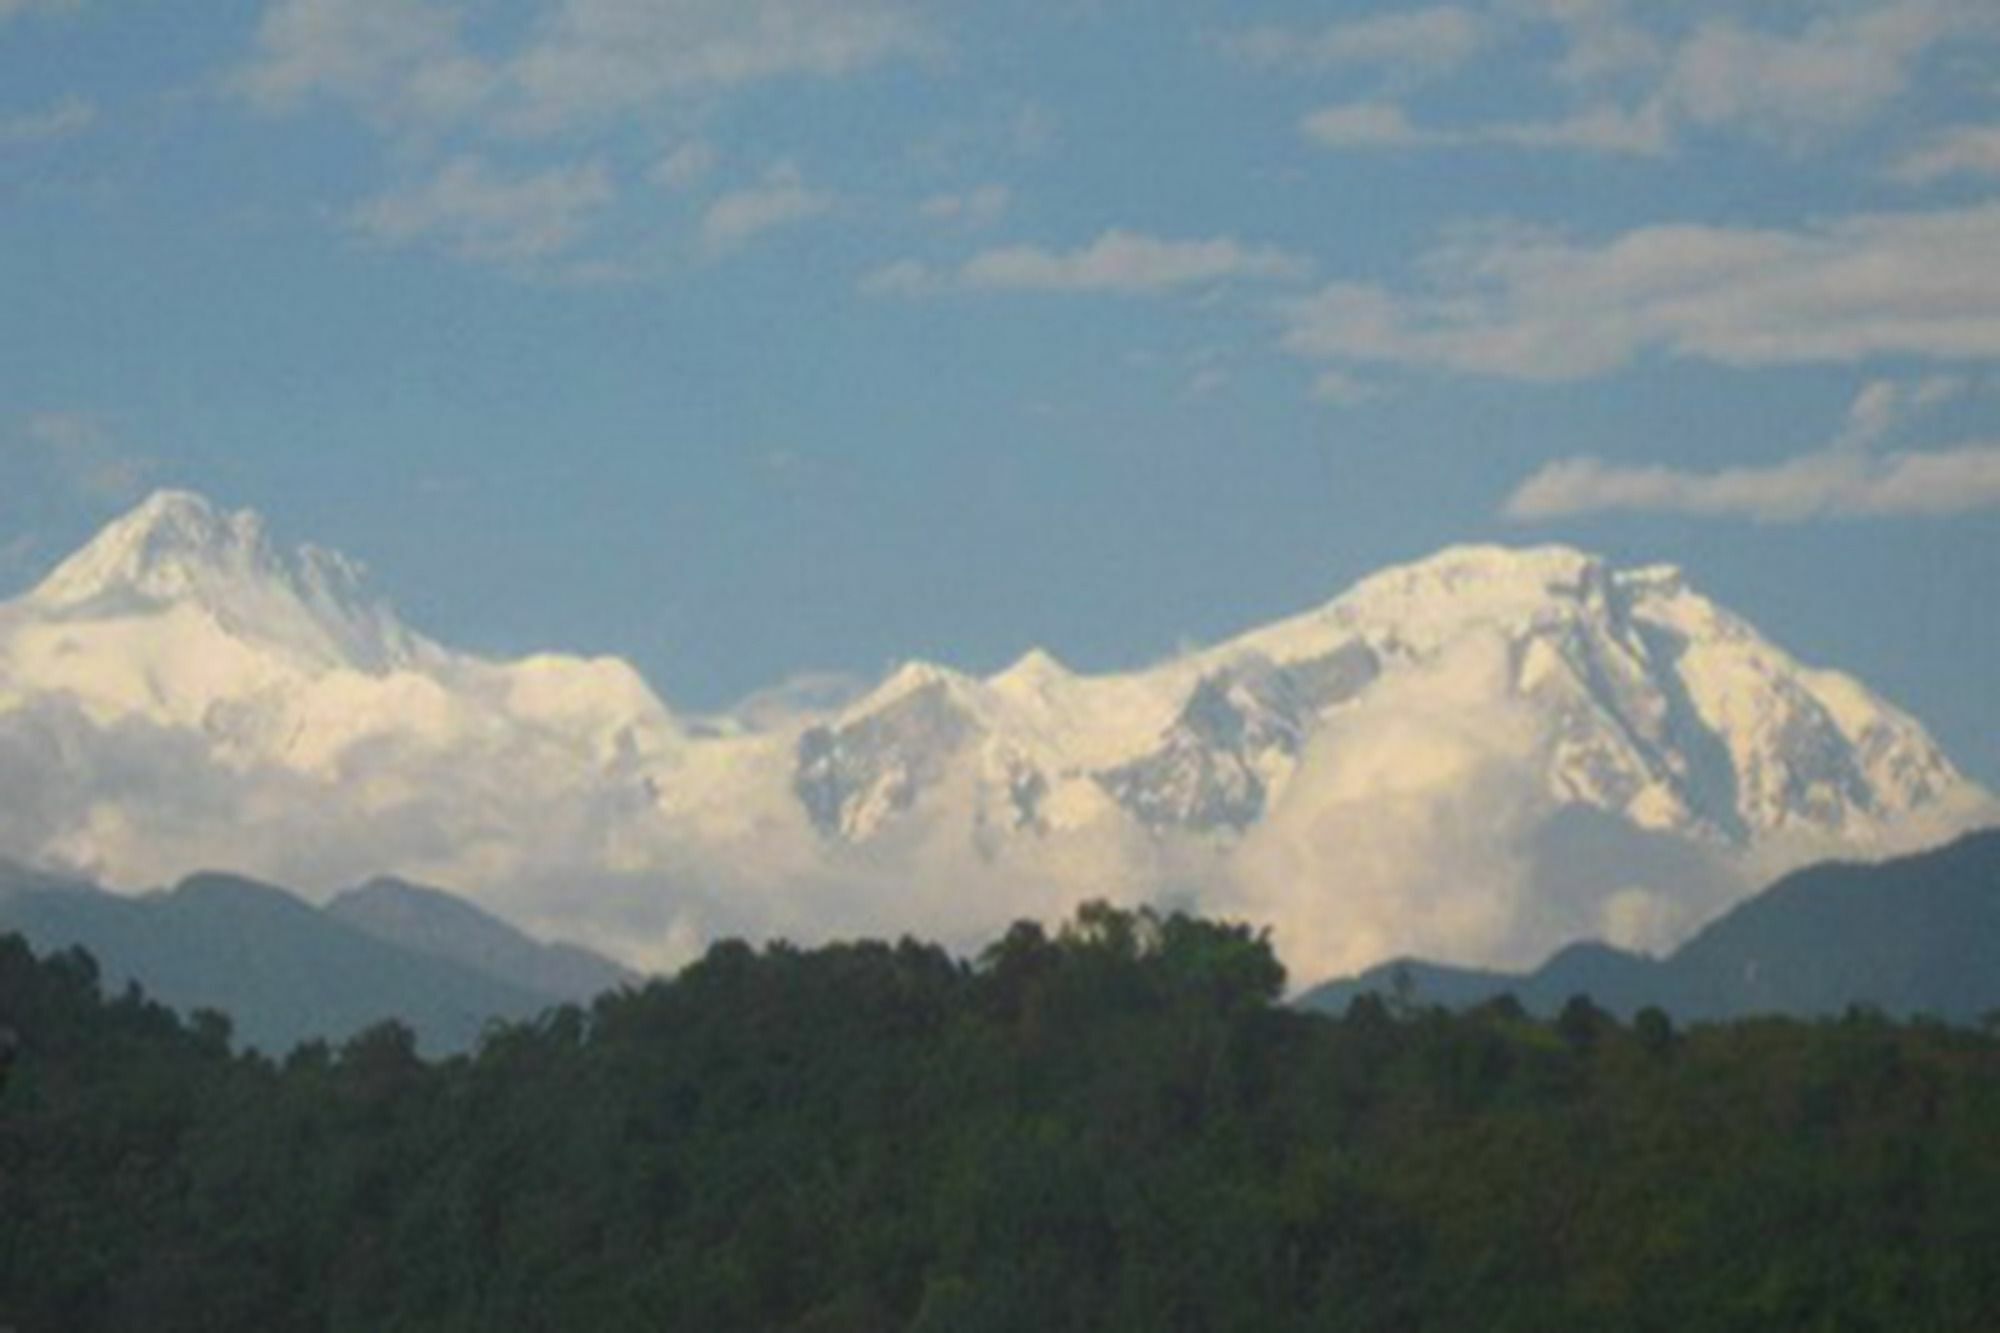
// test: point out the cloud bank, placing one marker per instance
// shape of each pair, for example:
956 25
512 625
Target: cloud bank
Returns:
1638 85
62 119
1418 43
475 211
484 117
1118 262
409 64
1843 480
1528 304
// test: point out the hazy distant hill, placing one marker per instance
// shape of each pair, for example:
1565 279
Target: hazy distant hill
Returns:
432 922
285 971
1915 935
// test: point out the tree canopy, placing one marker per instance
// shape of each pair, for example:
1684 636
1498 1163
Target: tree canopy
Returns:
1114 1125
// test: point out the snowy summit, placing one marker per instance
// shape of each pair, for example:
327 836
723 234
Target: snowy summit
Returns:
1396 769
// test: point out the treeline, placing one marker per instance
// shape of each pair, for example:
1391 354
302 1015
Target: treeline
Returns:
1114 1127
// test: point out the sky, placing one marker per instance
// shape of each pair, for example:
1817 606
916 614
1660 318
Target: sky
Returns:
759 339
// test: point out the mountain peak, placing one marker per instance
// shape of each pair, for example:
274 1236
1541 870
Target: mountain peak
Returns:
177 548
1468 572
910 678
158 551
1035 669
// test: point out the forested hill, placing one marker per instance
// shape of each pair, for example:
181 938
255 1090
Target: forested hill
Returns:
286 971
1115 1127
1914 935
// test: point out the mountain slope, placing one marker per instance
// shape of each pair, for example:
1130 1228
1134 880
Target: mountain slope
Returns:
282 970
1913 935
1659 706
438 925
1394 771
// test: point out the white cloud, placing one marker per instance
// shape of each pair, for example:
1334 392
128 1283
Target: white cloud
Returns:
903 277
1129 263
1340 389
1833 484
398 62
780 199
60 120
1419 824
426 77
1371 125
1883 406
684 167
1430 41
1602 40
476 213
1967 150
1118 262
593 57
1634 90
407 64
10 9
979 207
1843 480
1601 128
1531 305
1840 70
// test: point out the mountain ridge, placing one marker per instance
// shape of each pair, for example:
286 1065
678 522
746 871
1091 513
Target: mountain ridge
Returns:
286 971
1912 935
183 693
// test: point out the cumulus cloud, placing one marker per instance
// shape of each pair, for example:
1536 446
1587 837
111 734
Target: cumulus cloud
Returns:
1371 125
1601 128
1832 484
1601 38
11 9
1884 405
1638 86
1528 304
1843 480
474 211
903 277
398 62
409 64
684 167
1419 42
593 57
1129 262
431 82
781 199
1421 825
1118 262
62 119
1341 389
1840 70
1966 150
976 208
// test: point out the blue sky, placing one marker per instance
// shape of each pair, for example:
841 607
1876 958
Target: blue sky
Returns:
752 338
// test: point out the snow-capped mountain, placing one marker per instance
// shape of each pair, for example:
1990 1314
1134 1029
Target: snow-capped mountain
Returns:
1377 773
1660 707
181 616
